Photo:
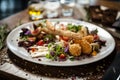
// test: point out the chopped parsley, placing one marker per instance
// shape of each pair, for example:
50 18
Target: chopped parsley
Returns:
74 28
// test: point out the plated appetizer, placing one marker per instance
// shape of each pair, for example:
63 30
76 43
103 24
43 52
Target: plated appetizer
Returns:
60 42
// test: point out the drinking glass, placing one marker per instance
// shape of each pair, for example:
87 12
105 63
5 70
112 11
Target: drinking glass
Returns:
83 2
67 7
35 9
51 7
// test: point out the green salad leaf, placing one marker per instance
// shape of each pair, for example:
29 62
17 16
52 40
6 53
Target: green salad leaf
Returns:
74 28
94 31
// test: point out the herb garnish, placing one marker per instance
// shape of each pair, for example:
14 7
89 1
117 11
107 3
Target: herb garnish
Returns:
74 28
3 35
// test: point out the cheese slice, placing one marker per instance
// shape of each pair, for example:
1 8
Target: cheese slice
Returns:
40 51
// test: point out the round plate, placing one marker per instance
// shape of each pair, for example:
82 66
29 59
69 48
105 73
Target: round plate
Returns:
12 44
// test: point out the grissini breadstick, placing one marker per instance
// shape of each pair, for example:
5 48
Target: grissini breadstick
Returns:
60 32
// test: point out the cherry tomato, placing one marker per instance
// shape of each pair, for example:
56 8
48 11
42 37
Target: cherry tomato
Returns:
33 49
40 43
64 38
96 37
62 56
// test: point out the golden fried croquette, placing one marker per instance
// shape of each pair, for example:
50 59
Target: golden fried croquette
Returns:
89 38
77 41
75 49
86 47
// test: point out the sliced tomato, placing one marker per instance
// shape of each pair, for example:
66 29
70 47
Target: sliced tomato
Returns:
40 43
62 56
96 37
64 38
33 49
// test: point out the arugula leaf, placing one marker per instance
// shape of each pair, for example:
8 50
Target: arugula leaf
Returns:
59 49
72 58
94 31
48 56
49 37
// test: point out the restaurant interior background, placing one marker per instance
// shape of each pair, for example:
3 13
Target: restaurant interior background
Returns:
9 7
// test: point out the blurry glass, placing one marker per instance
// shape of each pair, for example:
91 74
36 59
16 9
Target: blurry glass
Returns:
83 2
83 6
94 2
67 7
9 7
36 9
51 7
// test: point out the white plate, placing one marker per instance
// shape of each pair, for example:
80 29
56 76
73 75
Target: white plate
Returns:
12 44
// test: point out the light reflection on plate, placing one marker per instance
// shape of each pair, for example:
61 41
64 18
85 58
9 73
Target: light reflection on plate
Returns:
22 53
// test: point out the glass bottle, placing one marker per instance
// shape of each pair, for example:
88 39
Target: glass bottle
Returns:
36 9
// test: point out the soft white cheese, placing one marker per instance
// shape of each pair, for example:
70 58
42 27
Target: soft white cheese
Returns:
40 51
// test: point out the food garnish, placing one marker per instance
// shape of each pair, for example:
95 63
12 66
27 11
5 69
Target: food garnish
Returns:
3 34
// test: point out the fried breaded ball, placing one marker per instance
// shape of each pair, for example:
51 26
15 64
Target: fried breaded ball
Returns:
86 47
75 49
89 38
77 41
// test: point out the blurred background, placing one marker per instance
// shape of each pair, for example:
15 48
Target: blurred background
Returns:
9 7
